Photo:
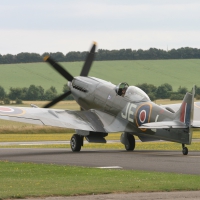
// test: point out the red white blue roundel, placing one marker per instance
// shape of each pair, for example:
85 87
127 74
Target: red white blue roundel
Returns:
143 114
10 111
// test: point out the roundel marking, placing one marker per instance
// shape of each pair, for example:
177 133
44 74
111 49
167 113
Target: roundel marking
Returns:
143 114
6 109
11 111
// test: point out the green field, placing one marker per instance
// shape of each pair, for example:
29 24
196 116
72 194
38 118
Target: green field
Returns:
20 180
175 72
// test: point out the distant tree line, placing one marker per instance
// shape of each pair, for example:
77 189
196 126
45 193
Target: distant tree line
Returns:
33 93
165 91
103 54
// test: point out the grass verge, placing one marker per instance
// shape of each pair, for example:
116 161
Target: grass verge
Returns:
55 136
16 137
20 180
163 146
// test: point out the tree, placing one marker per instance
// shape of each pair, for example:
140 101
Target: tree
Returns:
24 93
182 90
8 58
2 93
150 89
197 90
65 88
168 86
28 57
177 96
163 91
35 93
50 94
58 56
40 92
15 93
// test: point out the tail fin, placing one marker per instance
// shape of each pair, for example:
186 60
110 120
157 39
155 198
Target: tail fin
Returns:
186 111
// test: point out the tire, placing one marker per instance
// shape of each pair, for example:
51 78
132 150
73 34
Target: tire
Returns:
185 151
76 143
131 145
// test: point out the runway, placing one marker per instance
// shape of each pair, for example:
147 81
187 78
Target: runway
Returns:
159 161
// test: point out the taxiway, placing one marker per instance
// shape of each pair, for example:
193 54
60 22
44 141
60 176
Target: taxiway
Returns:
159 161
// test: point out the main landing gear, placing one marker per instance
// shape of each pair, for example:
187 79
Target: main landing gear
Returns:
185 150
128 140
76 142
131 143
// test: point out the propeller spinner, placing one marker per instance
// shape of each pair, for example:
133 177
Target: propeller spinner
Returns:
85 70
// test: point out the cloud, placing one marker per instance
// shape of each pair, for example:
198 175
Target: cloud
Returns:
65 41
100 15
60 25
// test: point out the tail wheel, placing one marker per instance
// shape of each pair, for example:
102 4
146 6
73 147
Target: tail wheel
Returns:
185 151
131 141
76 142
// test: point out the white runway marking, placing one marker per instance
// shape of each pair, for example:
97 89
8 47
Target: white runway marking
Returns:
110 167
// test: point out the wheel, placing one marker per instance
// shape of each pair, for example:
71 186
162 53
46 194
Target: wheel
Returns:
131 141
185 151
76 142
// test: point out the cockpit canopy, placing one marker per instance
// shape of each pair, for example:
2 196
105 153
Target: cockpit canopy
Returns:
135 94
132 93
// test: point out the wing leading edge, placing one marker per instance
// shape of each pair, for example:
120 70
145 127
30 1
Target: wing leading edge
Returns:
90 120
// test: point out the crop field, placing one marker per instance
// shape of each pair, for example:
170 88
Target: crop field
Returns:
175 72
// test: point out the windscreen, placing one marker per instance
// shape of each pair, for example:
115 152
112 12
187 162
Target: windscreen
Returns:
135 94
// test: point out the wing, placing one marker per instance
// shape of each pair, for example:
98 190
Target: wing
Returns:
90 120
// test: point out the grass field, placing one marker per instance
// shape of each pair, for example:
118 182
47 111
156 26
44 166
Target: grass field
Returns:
175 72
20 180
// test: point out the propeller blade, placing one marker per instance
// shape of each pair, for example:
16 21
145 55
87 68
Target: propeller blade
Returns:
58 68
56 100
88 62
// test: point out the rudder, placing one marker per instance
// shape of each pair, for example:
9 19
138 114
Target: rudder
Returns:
186 111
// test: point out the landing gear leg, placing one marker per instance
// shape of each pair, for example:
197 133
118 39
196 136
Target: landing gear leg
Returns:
76 142
185 149
131 141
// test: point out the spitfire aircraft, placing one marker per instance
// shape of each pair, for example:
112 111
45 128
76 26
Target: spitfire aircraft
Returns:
108 108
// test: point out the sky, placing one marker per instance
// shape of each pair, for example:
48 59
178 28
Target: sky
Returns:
72 25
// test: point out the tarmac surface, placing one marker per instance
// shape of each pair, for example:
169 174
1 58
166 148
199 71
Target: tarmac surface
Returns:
159 161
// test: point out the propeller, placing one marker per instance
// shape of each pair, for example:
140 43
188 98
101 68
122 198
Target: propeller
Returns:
56 100
59 69
84 72
88 62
